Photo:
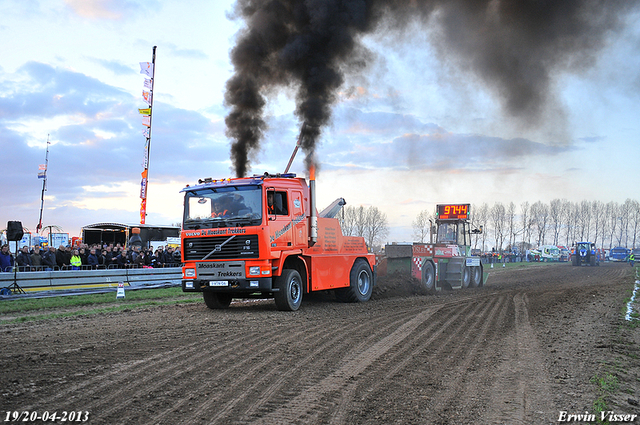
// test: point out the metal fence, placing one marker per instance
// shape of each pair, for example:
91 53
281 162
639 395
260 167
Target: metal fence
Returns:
33 281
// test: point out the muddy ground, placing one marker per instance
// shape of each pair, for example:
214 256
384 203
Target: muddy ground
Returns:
521 350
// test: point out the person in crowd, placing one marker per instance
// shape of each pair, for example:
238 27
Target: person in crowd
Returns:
24 259
92 259
49 258
36 258
76 261
6 259
169 260
133 253
157 258
139 259
122 259
61 257
108 256
83 255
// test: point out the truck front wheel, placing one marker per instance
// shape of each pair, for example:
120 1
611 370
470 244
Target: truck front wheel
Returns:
289 294
215 300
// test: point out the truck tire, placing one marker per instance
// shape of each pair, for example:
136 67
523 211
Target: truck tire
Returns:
476 277
360 284
466 277
575 261
289 294
429 278
592 260
216 300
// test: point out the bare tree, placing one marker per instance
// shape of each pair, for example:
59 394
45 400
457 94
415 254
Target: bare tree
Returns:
597 212
584 220
612 213
540 218
347 219
376 229
480 217
555 219
625 213
526 223
511 219
634 222
572 216
422 225
361 221
497 215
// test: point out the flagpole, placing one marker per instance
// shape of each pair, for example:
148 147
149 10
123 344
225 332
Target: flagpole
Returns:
44 185
145 173
153 81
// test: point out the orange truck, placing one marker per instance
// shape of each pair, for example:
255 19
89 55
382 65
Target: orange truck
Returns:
262 237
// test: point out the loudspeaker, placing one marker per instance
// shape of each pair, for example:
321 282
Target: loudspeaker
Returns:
14 231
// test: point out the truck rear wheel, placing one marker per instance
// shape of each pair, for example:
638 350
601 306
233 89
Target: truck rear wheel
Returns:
360 284
215 300
429 277
289 294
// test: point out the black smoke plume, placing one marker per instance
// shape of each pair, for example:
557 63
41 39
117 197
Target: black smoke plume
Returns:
514 46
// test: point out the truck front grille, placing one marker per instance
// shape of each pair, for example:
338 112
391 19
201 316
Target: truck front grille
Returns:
221 248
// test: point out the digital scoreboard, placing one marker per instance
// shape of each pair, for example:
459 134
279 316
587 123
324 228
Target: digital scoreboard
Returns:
452 211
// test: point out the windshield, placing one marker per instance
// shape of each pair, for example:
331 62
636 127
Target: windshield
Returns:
223 207
448 233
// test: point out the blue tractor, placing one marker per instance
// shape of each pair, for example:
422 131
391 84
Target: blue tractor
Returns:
584 253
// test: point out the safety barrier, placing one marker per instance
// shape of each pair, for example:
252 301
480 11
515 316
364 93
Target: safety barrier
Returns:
90 279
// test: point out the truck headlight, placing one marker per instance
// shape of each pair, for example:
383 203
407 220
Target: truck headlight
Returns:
189 272
254 271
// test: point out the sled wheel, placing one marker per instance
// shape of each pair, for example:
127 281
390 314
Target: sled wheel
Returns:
466 277
476 277
429 277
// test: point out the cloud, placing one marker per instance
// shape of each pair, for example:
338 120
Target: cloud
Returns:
109 9
97 147
391 140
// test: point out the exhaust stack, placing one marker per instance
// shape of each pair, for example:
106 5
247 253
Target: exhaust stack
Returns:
313 219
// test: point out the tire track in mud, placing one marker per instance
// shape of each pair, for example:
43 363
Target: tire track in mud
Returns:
101 393
524 392
248 395
461 339
309 404
237 355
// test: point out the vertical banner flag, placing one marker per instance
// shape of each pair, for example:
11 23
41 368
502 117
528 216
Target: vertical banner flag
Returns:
42 171
147 69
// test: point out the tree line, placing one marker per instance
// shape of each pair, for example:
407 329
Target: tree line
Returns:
528 225
560 222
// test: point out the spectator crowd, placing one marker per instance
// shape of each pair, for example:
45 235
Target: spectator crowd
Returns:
84 257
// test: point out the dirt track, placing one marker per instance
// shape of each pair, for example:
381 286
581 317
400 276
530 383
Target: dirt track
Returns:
518 351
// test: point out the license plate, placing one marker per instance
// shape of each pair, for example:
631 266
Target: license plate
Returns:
218 283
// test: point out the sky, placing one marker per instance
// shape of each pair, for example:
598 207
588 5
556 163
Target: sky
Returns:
411 130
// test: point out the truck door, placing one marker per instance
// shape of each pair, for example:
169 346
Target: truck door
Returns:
280 231
300 237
